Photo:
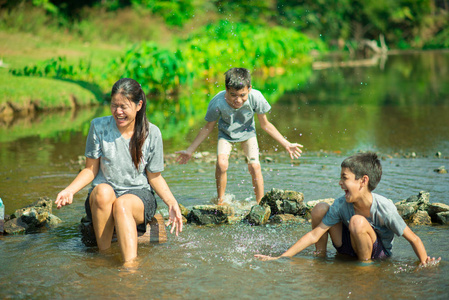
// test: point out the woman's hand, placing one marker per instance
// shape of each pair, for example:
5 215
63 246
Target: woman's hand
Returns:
175 218
265 257
64 198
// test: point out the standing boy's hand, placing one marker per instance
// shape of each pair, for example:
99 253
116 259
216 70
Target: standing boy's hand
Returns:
293 150
184 157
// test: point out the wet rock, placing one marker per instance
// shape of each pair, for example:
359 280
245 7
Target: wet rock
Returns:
287 218
438 154
420 218
15 226
434 209
210 214
232 220
258 215
442 218
32 218
281 202
184 211
415 202
441 170
405 210
311 204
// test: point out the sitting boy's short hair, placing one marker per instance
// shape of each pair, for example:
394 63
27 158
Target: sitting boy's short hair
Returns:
362 164
238 78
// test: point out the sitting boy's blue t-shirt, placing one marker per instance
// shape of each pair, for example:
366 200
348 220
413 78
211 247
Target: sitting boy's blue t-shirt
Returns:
385 218
236 125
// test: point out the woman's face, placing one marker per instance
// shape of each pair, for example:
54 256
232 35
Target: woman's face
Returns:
124 111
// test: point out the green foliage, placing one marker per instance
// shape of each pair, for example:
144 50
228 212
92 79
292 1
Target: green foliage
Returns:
156 69
57 68
223 45
174 12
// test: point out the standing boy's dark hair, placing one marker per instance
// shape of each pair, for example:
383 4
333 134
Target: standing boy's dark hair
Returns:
131 90
365 164
238 78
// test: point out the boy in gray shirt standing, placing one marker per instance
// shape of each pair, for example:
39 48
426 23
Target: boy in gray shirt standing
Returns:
234 109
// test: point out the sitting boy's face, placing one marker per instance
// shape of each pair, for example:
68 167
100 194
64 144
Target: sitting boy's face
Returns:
354 188
236 98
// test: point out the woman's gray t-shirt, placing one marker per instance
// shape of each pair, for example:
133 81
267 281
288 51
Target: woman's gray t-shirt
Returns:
236 125
385 218
116 166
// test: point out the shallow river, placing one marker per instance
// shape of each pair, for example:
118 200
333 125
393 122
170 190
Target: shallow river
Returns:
217 261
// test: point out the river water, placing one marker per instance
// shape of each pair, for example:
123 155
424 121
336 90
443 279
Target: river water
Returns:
399 109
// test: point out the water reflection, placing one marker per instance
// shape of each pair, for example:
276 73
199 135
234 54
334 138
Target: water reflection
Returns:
332 112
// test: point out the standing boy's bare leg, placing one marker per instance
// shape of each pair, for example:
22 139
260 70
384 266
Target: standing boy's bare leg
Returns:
101 201
363 237
221 177
256 174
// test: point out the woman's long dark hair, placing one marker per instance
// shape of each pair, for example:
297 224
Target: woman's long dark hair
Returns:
131 90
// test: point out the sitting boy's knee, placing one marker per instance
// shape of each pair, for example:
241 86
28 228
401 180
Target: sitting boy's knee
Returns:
357 223
320 210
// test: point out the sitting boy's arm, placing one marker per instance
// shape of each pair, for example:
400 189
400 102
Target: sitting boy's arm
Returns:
305 241
292 148
418 247
185 155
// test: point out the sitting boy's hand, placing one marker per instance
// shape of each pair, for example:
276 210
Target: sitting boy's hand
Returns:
184 157
430 261
293 150
265 257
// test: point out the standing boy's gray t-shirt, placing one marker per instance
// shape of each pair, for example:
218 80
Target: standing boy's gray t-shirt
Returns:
236 125
116 166
384 219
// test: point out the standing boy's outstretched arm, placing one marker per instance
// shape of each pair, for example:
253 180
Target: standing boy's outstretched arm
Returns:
292 148
419 248
307 240
185 155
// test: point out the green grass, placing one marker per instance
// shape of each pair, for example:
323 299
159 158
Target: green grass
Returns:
18 50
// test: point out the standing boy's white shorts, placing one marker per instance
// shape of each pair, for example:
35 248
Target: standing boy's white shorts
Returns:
250 148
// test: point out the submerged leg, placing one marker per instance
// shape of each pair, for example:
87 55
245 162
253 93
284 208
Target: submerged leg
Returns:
128 213
101 201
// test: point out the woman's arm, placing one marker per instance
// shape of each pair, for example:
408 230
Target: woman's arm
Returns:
65 197
160 186
292 148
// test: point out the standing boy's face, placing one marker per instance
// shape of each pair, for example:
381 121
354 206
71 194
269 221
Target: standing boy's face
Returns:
236 98
352 186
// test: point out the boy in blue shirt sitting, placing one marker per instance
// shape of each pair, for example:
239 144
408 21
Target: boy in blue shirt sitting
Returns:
361 224
234 109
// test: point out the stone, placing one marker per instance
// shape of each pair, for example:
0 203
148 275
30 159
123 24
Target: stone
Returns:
184 211
420 218
258 215
311 204
443 218
441 170
281 202
287 218
210 214
434 208
15 226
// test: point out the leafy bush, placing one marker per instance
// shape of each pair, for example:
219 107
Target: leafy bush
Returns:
157 70
57 68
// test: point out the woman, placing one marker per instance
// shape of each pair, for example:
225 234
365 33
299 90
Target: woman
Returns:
124 160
